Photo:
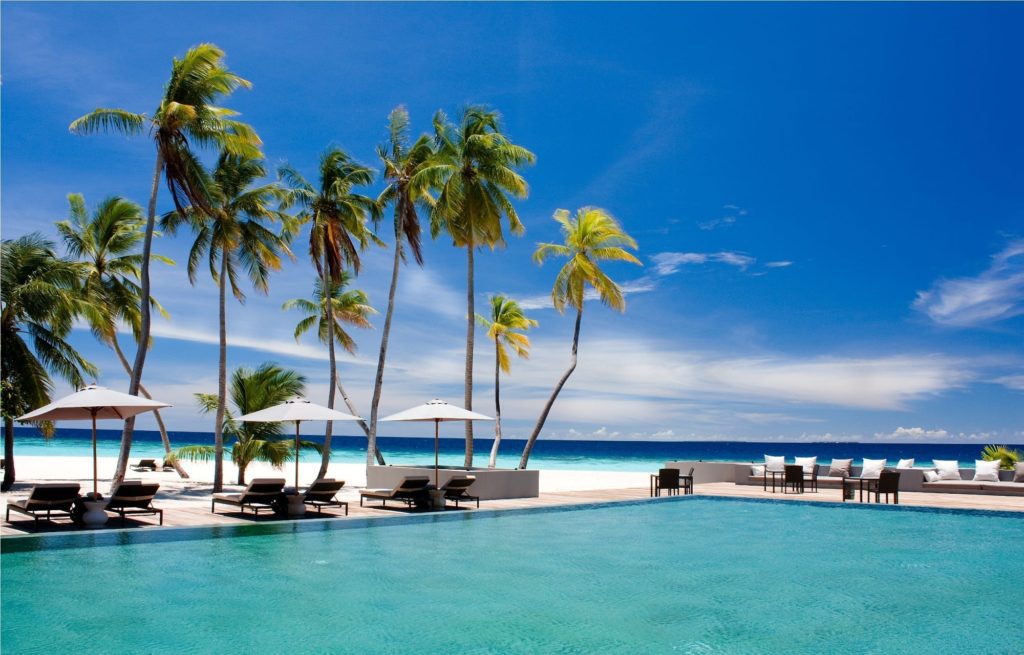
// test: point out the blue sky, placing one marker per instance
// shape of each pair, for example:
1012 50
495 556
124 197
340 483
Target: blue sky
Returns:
828 201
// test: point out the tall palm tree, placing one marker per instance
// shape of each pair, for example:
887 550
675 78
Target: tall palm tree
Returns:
185 117
253 390
350 307
106 245
407 188
505 328
41 298
475 168
591 237
234 233
340 231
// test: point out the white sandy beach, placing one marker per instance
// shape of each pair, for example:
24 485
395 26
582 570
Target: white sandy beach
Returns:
196 489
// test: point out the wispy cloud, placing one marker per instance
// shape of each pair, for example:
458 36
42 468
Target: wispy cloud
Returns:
728 219
667 263
1011 381
780 264
994 295
543 301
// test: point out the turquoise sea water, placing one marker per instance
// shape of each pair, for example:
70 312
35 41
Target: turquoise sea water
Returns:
684 575
548 453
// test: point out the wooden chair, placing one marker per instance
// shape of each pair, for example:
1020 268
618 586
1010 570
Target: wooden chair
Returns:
667 481
888 483
687 482
793 478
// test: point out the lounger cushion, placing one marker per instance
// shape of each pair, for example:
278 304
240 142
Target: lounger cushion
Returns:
905 463
1018 472
947 469
809 463
773 463
873 468
840 468
986 471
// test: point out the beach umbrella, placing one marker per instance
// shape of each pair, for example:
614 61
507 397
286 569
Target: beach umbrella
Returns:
93 402
436 410
297 410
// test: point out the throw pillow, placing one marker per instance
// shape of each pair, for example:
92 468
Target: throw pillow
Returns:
1018 472
757 470
985 471
931 476
809 463
947 469
772 463
840 468
872 468
906 464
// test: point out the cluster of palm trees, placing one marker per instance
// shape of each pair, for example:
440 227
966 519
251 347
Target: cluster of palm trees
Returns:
463 177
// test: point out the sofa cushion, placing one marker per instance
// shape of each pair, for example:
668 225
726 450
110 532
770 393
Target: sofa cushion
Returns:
873 468
773 463
905 463
840 468
947 469
986 471
809 463
1018 472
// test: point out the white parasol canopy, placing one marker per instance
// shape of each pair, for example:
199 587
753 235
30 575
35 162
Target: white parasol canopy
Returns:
297 410
93 402
436 411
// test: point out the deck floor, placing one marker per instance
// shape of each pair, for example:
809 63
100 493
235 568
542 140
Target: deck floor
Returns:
195 512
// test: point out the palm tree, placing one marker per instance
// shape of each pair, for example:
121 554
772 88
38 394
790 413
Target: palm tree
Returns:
233 233
346 308
1007 456
41 298
406 189
339 232
505 328
475 168
105 244
185 117
253 390
591 237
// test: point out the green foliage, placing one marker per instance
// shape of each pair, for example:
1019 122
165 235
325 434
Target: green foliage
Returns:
592 236
252 390
1006 456
42 297
408 187
350 307
505 328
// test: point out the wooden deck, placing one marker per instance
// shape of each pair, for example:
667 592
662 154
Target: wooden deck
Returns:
194 511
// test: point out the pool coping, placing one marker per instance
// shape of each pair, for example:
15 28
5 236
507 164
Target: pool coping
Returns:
129 536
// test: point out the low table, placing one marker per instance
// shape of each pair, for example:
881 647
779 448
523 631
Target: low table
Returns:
862 483
774 474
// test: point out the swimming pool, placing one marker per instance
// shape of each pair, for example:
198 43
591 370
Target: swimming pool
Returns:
683 575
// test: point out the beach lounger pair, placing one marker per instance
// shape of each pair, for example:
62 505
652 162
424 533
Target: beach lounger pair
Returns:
57 499
265 494
413 490
150 465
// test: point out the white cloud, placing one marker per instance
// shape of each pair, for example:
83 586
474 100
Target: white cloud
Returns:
543 301
420 288
1012 381
667 263
913 434
994 295
728 220
780 264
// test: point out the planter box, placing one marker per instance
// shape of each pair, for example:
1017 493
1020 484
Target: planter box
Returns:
491 484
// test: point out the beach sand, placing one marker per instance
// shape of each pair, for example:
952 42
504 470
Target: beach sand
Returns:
175 491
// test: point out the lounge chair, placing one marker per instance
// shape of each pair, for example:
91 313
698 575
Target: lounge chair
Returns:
793 478
457 488
261 494
167 465
686 481
888 483
411 490
145 465
48 501
134 497
322 494
667 480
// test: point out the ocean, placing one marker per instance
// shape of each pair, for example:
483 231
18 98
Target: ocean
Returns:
549 454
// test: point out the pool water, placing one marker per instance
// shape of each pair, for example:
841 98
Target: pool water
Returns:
683 575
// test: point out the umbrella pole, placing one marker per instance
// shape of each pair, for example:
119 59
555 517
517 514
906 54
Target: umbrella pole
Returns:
296 458
436 424
95 474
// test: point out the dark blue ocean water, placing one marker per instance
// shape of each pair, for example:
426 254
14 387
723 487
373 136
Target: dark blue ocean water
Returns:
552 454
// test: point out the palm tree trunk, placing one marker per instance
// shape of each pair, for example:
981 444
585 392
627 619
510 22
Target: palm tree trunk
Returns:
554 394
470 334
164 437
144 324
222 378
497 406
8 455
378 382
329 315
241 474
362 424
